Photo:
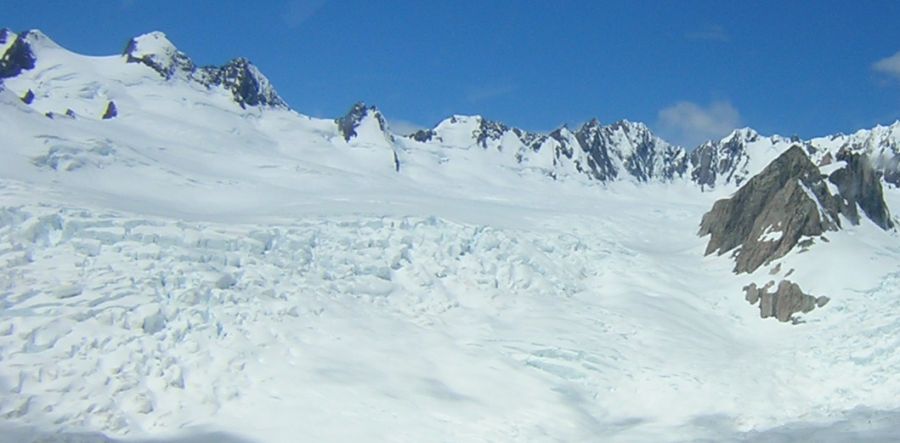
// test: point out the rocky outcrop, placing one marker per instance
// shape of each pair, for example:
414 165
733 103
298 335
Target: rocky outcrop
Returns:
242 79
860 185
350 123
248 85
786 301
158 53
769 215
111 111
790 200
19 56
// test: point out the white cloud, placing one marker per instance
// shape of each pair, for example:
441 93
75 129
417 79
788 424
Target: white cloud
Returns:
403 127
299 11
689 124
716 33
889 65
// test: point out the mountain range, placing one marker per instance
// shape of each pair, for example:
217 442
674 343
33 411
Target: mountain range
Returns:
31 68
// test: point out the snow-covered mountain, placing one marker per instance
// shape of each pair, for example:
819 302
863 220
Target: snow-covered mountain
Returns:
58 82
182 254
744 152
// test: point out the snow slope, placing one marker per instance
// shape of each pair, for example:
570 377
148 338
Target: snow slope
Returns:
202 269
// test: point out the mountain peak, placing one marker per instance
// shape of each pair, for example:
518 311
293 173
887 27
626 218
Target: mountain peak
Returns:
743 134
20 55
629 125
592 123
248 84
359 115
155 50
38 40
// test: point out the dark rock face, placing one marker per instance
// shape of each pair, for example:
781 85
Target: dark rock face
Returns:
167 65
788 299
599 162
768 215
859 184
721 158
348 123
28 98
5 35
249 86
245 82
423 135
111 111
19 57
643 156
490 130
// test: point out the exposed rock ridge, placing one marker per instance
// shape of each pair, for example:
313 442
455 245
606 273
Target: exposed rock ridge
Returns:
770 214
247 84
601 152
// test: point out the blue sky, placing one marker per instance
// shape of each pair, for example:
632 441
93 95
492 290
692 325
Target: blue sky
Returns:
690 70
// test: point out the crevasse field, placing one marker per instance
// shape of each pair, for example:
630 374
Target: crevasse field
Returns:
191 271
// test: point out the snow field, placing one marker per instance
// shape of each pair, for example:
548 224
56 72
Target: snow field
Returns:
412 328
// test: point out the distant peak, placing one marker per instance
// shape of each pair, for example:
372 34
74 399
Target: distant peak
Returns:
627 124
592 123
358 113
360 109
21 55
155 50
459 118
37 39
743 134
246 82
152 42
